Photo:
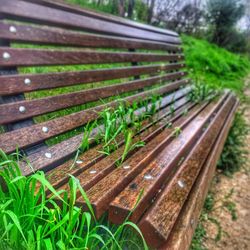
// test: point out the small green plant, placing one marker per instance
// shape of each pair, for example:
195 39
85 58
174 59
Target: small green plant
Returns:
234 156
129 145
185 112
200 92
199 235
177 131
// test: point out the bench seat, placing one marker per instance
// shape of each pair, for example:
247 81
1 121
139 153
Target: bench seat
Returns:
61 66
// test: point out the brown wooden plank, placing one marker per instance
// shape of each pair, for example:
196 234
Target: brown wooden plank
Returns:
103 16
15 84
34 134
105 190
89 176
11 112
41 57
48 16
40 161
162 167
183 230
59 175
53 36
159 220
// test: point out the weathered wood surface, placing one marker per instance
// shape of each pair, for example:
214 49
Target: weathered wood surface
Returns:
159 220
173 171
62 37
39 57
33 134
10 112
15 84
183 230
24 11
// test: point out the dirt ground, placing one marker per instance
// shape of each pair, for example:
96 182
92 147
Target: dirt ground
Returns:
235 234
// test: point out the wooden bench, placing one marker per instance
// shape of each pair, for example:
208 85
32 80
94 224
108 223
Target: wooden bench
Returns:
173 170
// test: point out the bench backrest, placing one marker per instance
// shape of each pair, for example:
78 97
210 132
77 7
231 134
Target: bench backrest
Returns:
41 40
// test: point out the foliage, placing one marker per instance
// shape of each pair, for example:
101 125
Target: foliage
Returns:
234 155
30 220
129 145
215 66
199 235
223 16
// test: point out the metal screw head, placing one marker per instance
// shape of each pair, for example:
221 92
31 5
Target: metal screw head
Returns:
181 184
48 155
79 162
192 222
45 129
148 177
92 171
27 81
6 55
126 167
12 29
22 109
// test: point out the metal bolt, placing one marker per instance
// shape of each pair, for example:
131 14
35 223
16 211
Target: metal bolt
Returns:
27 81
48 155
79 162
126 167
22 109
181 184
12 29
148 177
45 129
192 222
6 55
92 171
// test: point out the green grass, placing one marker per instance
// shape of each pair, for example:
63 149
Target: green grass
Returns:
234 155
215 66
29 220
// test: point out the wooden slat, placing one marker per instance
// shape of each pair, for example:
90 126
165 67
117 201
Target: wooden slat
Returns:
160 169
105 190
39 161
39 57
48 16
10 112
106 165
103 16
183 230
159 220
50 36
59 175
34 134
15 84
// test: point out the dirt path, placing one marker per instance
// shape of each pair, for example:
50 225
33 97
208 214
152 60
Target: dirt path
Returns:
235 233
